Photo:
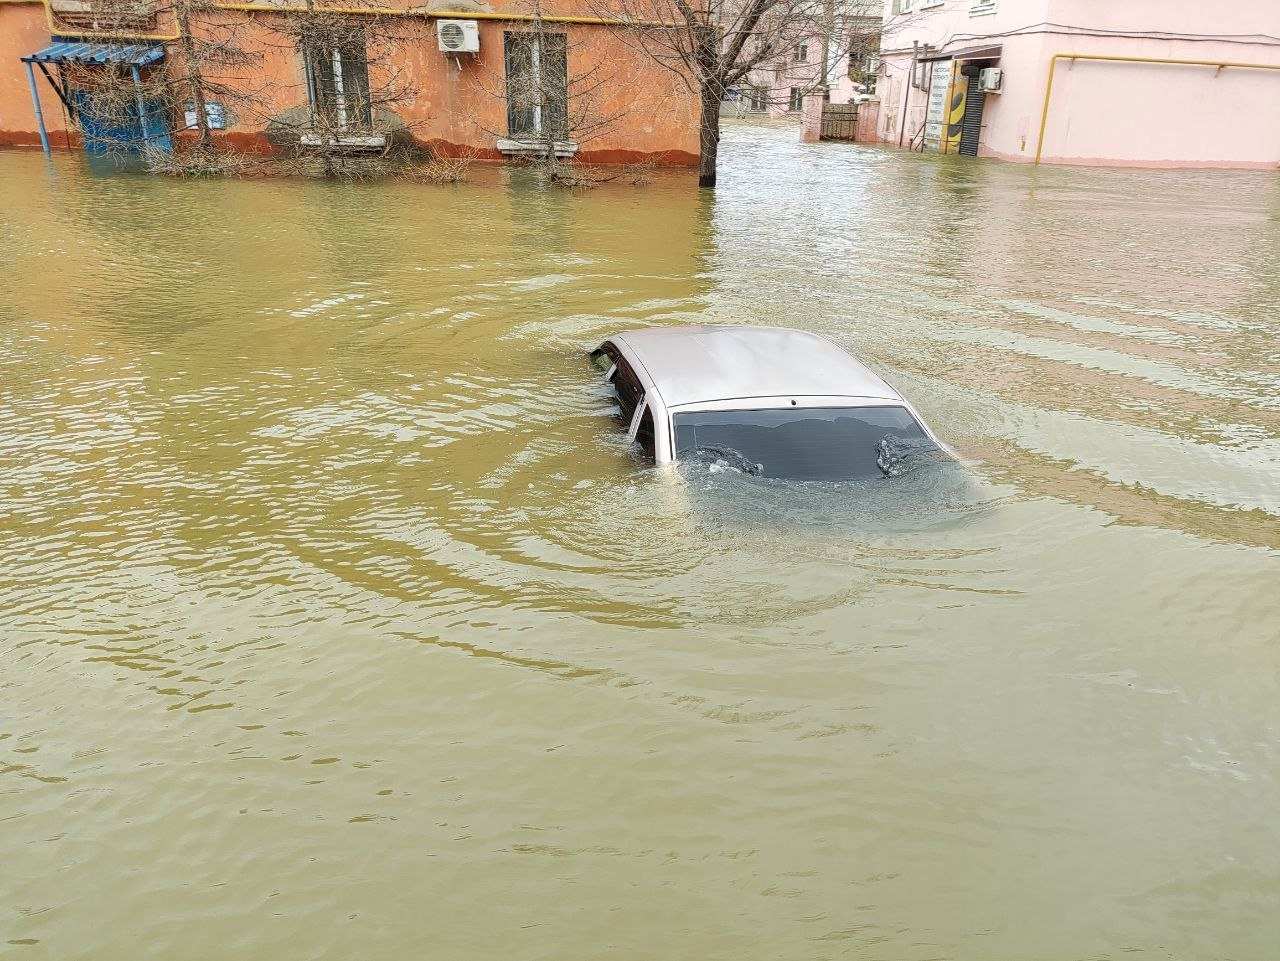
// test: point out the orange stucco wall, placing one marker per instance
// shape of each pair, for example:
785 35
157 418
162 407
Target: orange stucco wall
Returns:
634 109
22 30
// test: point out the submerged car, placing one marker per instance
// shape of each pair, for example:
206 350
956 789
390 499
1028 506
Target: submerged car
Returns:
766 401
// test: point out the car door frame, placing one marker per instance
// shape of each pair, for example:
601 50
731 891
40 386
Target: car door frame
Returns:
652 400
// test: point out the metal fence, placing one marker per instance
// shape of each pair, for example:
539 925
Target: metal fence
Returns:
839 121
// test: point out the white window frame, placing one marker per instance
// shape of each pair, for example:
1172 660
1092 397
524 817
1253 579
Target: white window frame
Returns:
341 104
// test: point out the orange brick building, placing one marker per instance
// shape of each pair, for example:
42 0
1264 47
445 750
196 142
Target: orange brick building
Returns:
457 102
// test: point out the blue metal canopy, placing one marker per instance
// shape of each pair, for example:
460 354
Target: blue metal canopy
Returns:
129 54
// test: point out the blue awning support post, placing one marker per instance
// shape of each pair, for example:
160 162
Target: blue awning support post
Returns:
142 107
35 105
132 55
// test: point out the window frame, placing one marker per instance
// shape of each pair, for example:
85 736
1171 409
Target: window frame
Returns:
819 455
329 78
546 53
800 400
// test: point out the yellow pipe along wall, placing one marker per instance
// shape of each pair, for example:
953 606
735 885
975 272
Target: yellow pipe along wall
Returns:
63 31
1106 58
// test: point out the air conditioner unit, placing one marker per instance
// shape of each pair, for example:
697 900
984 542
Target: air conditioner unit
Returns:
991 79
458 36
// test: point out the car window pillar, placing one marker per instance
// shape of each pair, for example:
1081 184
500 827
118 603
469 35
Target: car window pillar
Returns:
635 420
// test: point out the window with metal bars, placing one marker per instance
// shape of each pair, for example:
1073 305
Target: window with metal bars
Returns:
338 81
537 85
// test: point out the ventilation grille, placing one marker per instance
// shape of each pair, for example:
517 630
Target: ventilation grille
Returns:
451 36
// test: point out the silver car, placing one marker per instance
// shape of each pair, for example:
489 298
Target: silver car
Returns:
764 400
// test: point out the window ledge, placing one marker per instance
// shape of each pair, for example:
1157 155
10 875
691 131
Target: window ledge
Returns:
347 143
563 149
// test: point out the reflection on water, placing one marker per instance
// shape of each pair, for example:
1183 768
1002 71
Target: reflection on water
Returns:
339 622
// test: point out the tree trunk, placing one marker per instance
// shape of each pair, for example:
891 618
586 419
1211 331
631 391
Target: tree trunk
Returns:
195 81
709 136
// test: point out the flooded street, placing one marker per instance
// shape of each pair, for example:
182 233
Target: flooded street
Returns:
339 622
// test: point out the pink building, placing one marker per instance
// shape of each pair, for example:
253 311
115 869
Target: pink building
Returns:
780 88
1144 83
852 56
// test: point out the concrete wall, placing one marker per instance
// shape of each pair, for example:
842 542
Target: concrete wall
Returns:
457 104
1111 113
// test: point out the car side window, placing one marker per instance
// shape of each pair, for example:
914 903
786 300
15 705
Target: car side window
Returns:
644 433
630 393
627 385
602 357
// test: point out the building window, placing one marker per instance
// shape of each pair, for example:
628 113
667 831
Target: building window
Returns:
338 82
797 99
759 98
922 75
802 53
537 85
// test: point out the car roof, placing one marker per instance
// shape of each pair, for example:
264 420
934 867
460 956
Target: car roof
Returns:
697 364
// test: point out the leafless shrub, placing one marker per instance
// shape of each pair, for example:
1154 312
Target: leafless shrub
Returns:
357 82
440 170
205 163
550 171
208 78
641 174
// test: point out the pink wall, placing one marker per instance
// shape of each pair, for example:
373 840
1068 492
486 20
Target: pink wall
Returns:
1112 113
779 79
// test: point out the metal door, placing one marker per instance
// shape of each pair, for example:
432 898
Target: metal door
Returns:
118 130
971 123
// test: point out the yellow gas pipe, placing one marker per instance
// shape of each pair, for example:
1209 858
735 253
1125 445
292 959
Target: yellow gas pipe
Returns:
1053 66
62 31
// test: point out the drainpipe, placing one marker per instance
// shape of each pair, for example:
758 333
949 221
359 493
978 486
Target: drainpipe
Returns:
906 97
142 107
35 103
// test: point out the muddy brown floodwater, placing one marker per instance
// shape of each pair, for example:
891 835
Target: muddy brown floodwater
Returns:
337 623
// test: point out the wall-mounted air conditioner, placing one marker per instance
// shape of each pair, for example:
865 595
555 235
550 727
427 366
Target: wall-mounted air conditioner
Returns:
458 36
991 79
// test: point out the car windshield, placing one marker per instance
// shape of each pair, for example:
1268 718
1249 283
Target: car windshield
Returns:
803 443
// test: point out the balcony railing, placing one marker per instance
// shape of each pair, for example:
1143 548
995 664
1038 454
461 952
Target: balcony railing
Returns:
113 15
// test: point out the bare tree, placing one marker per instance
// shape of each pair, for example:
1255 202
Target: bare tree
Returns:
861 40
712 45
346 120
207 81
848 32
